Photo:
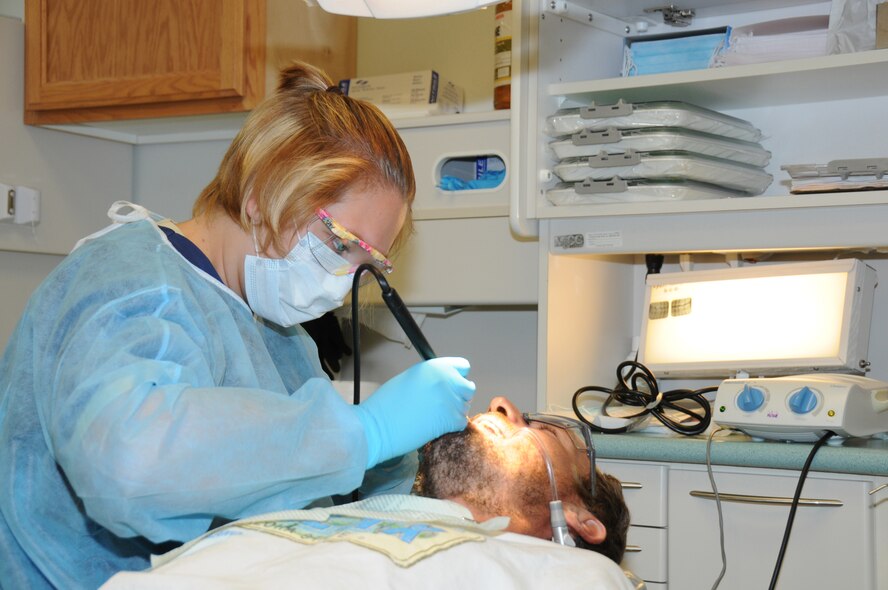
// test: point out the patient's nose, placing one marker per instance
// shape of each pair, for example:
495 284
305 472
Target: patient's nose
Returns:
507 408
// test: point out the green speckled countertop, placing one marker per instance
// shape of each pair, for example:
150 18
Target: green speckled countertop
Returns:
863 456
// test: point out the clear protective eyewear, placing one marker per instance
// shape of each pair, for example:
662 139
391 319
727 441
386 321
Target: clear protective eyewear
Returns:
580 435
350 250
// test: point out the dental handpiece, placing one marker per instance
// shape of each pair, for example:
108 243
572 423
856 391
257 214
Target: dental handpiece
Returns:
399 310
411 329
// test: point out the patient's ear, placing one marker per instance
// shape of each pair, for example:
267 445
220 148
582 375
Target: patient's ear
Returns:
585 524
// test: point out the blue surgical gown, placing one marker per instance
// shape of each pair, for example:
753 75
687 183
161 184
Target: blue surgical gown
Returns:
139 399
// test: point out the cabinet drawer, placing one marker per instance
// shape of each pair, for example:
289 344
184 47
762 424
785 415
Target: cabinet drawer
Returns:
644 487
831 544
646 553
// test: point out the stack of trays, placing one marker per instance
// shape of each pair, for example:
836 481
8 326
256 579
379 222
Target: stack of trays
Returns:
656 151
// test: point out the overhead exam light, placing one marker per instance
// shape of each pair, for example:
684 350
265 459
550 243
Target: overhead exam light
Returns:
401 8
762 320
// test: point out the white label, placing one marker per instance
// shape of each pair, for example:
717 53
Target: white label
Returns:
604 239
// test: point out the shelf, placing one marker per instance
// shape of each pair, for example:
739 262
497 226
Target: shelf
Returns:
156 131
854 222
225 127
764 203
852 75
458 119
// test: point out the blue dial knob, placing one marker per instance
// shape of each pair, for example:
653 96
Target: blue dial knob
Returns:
803 401
750 398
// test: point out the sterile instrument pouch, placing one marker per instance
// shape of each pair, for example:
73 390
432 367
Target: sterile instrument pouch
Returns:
668 165
666 113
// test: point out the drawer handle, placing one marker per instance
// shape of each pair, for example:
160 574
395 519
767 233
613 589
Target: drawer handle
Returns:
771 500
633 549
630 485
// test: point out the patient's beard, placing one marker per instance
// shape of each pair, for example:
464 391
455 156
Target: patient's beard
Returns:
469 466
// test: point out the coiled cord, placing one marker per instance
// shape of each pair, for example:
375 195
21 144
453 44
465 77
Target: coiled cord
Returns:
638 387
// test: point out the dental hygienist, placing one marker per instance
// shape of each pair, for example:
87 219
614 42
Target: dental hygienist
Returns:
159 380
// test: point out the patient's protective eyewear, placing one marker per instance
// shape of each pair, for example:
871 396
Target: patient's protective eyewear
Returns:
580 434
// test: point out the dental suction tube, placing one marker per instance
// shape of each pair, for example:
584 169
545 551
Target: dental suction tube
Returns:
560 532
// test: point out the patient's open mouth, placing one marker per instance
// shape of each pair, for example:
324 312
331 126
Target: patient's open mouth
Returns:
490 425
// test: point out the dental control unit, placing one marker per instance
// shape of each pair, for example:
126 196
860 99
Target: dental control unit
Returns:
803 407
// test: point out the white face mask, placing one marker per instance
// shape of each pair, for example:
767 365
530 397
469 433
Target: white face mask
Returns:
295 289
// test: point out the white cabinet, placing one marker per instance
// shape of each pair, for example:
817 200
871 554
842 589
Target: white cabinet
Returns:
644 488
811 111
837 537
437 145
831 543
462 252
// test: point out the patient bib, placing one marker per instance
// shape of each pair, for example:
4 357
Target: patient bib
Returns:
406 529
402 541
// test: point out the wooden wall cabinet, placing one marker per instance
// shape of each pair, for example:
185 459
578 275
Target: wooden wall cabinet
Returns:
102 60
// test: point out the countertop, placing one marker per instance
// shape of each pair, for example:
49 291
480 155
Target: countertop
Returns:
866 456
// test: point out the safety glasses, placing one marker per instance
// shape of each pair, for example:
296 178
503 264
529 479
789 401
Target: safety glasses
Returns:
345 245
580 435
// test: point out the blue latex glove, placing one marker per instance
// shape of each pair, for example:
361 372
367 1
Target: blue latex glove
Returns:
427 400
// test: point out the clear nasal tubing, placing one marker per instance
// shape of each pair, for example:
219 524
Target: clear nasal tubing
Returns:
560 532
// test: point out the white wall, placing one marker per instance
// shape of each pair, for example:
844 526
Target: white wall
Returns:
78 178
13 8
167 178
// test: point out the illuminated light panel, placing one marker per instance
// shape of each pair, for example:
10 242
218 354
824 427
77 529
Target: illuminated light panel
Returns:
772 319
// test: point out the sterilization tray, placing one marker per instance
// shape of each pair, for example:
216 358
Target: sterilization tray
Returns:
873 167
674 165
648 139
624 115
618 190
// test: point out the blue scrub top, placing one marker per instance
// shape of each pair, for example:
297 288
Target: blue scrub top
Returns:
190 252
140 399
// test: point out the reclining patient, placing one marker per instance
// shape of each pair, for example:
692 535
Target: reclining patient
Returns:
480 517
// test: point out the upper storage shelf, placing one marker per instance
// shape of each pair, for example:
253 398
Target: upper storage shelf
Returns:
810 110
828 78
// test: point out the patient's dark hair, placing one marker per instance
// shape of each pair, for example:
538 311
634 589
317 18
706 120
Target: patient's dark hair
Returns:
610 508
445 462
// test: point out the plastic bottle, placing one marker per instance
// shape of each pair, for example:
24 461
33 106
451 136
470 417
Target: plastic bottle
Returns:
502 77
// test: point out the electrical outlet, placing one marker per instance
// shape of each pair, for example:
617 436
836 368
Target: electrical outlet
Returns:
27 205
19 204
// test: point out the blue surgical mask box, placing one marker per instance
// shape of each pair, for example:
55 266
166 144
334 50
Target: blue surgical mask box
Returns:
674 53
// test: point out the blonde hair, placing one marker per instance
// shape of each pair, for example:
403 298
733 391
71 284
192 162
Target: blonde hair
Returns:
301 149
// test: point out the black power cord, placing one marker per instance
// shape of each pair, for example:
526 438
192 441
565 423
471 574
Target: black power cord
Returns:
795 505
638 387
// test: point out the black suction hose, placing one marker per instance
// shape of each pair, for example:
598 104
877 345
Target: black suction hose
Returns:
399 310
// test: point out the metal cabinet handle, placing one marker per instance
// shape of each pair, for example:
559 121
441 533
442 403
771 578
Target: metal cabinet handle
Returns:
633 549
771 500
630 485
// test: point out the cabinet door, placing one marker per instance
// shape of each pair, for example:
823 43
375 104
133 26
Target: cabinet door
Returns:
152 56
829 547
